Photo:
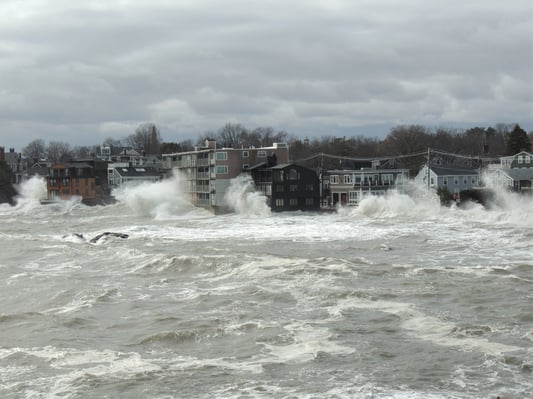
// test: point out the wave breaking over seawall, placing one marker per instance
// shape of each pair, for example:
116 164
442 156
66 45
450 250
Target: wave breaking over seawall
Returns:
242 197
163 199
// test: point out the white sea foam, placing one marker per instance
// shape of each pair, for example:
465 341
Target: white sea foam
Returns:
242 197
307 342
190 362
73 367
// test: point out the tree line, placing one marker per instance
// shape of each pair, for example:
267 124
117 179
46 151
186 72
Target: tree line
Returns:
493 141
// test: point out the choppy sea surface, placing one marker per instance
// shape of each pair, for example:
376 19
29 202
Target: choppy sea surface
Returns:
397 298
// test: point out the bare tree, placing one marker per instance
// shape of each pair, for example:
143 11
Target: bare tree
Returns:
265 136
83 152
232 135
58 151
35 150
111 142
406 139
146 139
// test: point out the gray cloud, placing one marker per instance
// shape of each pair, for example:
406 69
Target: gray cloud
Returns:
84 71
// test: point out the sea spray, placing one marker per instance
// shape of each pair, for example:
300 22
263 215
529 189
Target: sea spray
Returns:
414 202
242 197
30 193
508 206
32 190
162 199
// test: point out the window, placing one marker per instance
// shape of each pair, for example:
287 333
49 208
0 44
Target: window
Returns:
309 201
527 159
222 170
387 179
221 156
445 181
309 187
334 179
293 202
456 181
245 166
261 154
520 159
348 179
279 188
465 181
293 174
352 197
293 188
245 154
280 202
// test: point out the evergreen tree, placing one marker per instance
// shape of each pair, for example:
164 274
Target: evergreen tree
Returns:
517 141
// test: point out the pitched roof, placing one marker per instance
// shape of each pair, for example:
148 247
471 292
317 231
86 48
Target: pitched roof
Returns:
518 174
453 171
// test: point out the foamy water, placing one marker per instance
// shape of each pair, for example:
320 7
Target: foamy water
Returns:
398 298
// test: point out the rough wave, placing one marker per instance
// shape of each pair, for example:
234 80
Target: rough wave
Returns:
160 200
242 198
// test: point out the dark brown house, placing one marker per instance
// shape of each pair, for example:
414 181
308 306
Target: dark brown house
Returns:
288 187
84 179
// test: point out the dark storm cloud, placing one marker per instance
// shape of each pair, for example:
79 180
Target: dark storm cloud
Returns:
84 71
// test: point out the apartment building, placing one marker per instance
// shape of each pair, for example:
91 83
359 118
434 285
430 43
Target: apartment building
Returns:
209 169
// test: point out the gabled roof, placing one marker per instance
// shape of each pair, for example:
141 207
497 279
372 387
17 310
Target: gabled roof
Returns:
257 166
515 155
282 166
517 174
453 171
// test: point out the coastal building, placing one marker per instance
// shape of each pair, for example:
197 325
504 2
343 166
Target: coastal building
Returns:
78 179
209 169
350 187
14 161
127 155
288 187
38 169
515 172
454 179
120 175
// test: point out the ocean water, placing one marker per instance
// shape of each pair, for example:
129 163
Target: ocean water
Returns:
398 298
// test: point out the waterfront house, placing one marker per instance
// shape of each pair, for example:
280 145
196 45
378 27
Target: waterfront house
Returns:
453 178
350 187
209 169
124 174
288 187
79 179
14 161
516 171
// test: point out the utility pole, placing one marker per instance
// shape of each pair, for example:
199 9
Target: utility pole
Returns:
429 173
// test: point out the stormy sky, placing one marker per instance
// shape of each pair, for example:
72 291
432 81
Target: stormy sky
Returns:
86 70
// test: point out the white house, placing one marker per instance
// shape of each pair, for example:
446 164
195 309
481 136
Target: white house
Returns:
120 175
